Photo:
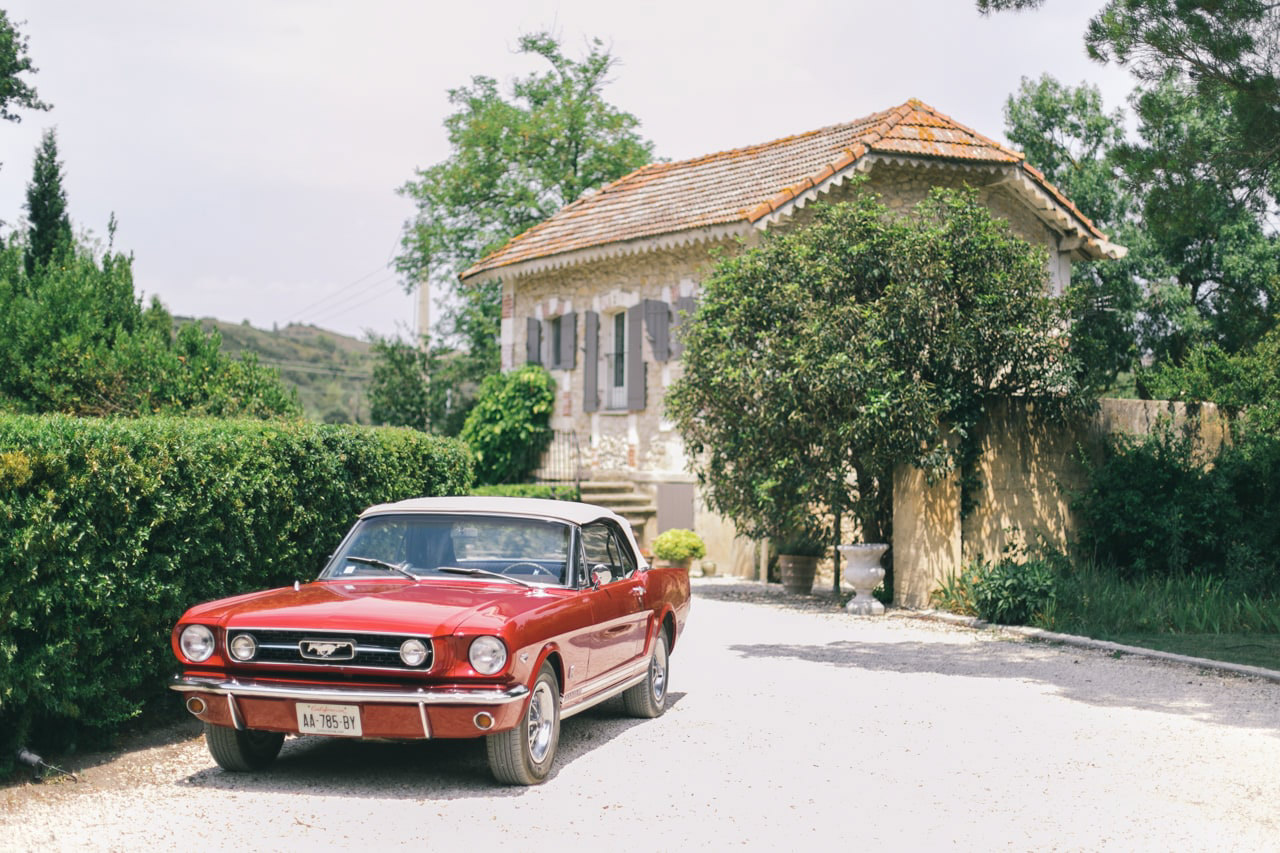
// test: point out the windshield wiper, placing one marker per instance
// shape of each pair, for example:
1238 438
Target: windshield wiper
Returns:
458 570
382 564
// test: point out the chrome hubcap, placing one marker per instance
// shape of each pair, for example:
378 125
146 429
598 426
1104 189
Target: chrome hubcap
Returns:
658 675
541 721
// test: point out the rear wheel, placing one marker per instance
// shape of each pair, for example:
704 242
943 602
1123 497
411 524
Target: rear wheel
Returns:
523 755
242 751
649 697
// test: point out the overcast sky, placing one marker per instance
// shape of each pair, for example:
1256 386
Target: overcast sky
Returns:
251 149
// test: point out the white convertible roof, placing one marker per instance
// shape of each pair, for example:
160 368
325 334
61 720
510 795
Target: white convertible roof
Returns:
570 511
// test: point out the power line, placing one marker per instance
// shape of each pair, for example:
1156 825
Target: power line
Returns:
336 292
336 310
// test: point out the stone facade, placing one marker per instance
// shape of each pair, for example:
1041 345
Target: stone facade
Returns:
623 441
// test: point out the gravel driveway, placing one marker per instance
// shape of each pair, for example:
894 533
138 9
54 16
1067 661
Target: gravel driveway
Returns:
790 728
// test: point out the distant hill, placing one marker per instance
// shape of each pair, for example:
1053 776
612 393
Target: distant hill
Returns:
330 371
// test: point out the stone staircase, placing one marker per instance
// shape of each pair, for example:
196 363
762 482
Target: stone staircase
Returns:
621 497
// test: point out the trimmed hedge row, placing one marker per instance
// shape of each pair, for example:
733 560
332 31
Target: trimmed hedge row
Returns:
550 491
109 529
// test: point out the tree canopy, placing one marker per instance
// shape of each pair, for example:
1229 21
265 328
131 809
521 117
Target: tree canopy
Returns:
823 358
15 92
516 158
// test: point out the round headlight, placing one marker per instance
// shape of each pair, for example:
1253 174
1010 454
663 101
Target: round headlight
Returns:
243 647
488 655
196 642
413 652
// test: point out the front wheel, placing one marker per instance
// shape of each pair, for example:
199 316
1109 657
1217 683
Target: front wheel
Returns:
649 697
523 755
242 751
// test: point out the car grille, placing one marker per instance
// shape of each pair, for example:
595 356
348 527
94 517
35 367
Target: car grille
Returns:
326 648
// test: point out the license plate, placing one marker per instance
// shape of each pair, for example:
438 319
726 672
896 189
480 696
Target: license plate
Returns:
341 720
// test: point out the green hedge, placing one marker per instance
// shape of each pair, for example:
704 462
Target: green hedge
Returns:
551 491
109 529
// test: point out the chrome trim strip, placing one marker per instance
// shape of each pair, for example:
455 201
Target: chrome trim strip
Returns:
231 687
323 631
422 712
608 694
235 713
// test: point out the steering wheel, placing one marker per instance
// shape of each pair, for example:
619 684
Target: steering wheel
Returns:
537 569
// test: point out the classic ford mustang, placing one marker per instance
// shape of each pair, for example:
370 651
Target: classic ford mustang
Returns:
440 618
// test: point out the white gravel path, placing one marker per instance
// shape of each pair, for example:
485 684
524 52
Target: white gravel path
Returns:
790 728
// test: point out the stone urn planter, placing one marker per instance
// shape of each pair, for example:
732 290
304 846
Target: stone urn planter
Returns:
864 573
797 572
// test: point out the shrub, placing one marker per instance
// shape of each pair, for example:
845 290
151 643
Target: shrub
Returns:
1152 509
550 491
1013 593
678 544
109 529
509 427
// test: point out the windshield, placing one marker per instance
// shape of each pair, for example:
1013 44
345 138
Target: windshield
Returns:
522 549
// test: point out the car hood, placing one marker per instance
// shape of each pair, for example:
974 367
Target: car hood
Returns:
432 607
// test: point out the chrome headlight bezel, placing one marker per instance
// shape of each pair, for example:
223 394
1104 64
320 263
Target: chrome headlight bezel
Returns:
197 643
488 655
413 652
243 647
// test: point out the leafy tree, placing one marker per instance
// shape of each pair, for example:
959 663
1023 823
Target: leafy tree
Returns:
1066 133
74 338
50 231
516 159
825 357
509 427
15 92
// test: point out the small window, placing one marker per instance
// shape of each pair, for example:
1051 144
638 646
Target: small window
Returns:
616 367
557 326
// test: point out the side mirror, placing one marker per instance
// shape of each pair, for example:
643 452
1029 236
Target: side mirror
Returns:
600 575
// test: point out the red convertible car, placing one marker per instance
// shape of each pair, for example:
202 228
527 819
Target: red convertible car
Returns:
440 618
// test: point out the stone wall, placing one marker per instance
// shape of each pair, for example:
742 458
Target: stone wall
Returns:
1027 470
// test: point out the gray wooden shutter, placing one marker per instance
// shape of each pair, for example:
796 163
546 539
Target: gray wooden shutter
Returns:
657 321
635 357
568 342
533 341
591 362
684 308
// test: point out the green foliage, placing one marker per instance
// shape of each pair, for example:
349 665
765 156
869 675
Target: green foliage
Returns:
1013 592
109 529
75 339
329 371
547 491
820 360
516 158
1094 601
50 231
435 389
15 92
509 427
679 544
1065 133
1153 509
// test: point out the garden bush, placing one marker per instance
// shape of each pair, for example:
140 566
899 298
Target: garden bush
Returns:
1153 509
1010 591
551 491
508 429
109 529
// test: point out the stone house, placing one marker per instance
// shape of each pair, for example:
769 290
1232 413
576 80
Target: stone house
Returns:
597 292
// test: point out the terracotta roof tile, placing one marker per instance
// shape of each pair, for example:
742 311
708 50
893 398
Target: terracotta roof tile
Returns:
747 184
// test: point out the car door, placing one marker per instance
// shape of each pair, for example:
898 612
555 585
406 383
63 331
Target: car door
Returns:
617 603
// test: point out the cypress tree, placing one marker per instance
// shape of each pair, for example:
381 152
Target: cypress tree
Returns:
46 207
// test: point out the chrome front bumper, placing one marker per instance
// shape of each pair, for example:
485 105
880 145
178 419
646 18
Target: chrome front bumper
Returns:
337 695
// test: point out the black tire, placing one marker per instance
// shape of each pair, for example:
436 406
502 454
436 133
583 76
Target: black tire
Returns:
242 751
524 755
649 697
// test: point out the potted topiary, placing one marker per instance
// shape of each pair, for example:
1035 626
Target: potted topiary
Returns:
678 547
798 555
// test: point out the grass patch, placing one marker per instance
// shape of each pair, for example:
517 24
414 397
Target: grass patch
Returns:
1185 614
1249 649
